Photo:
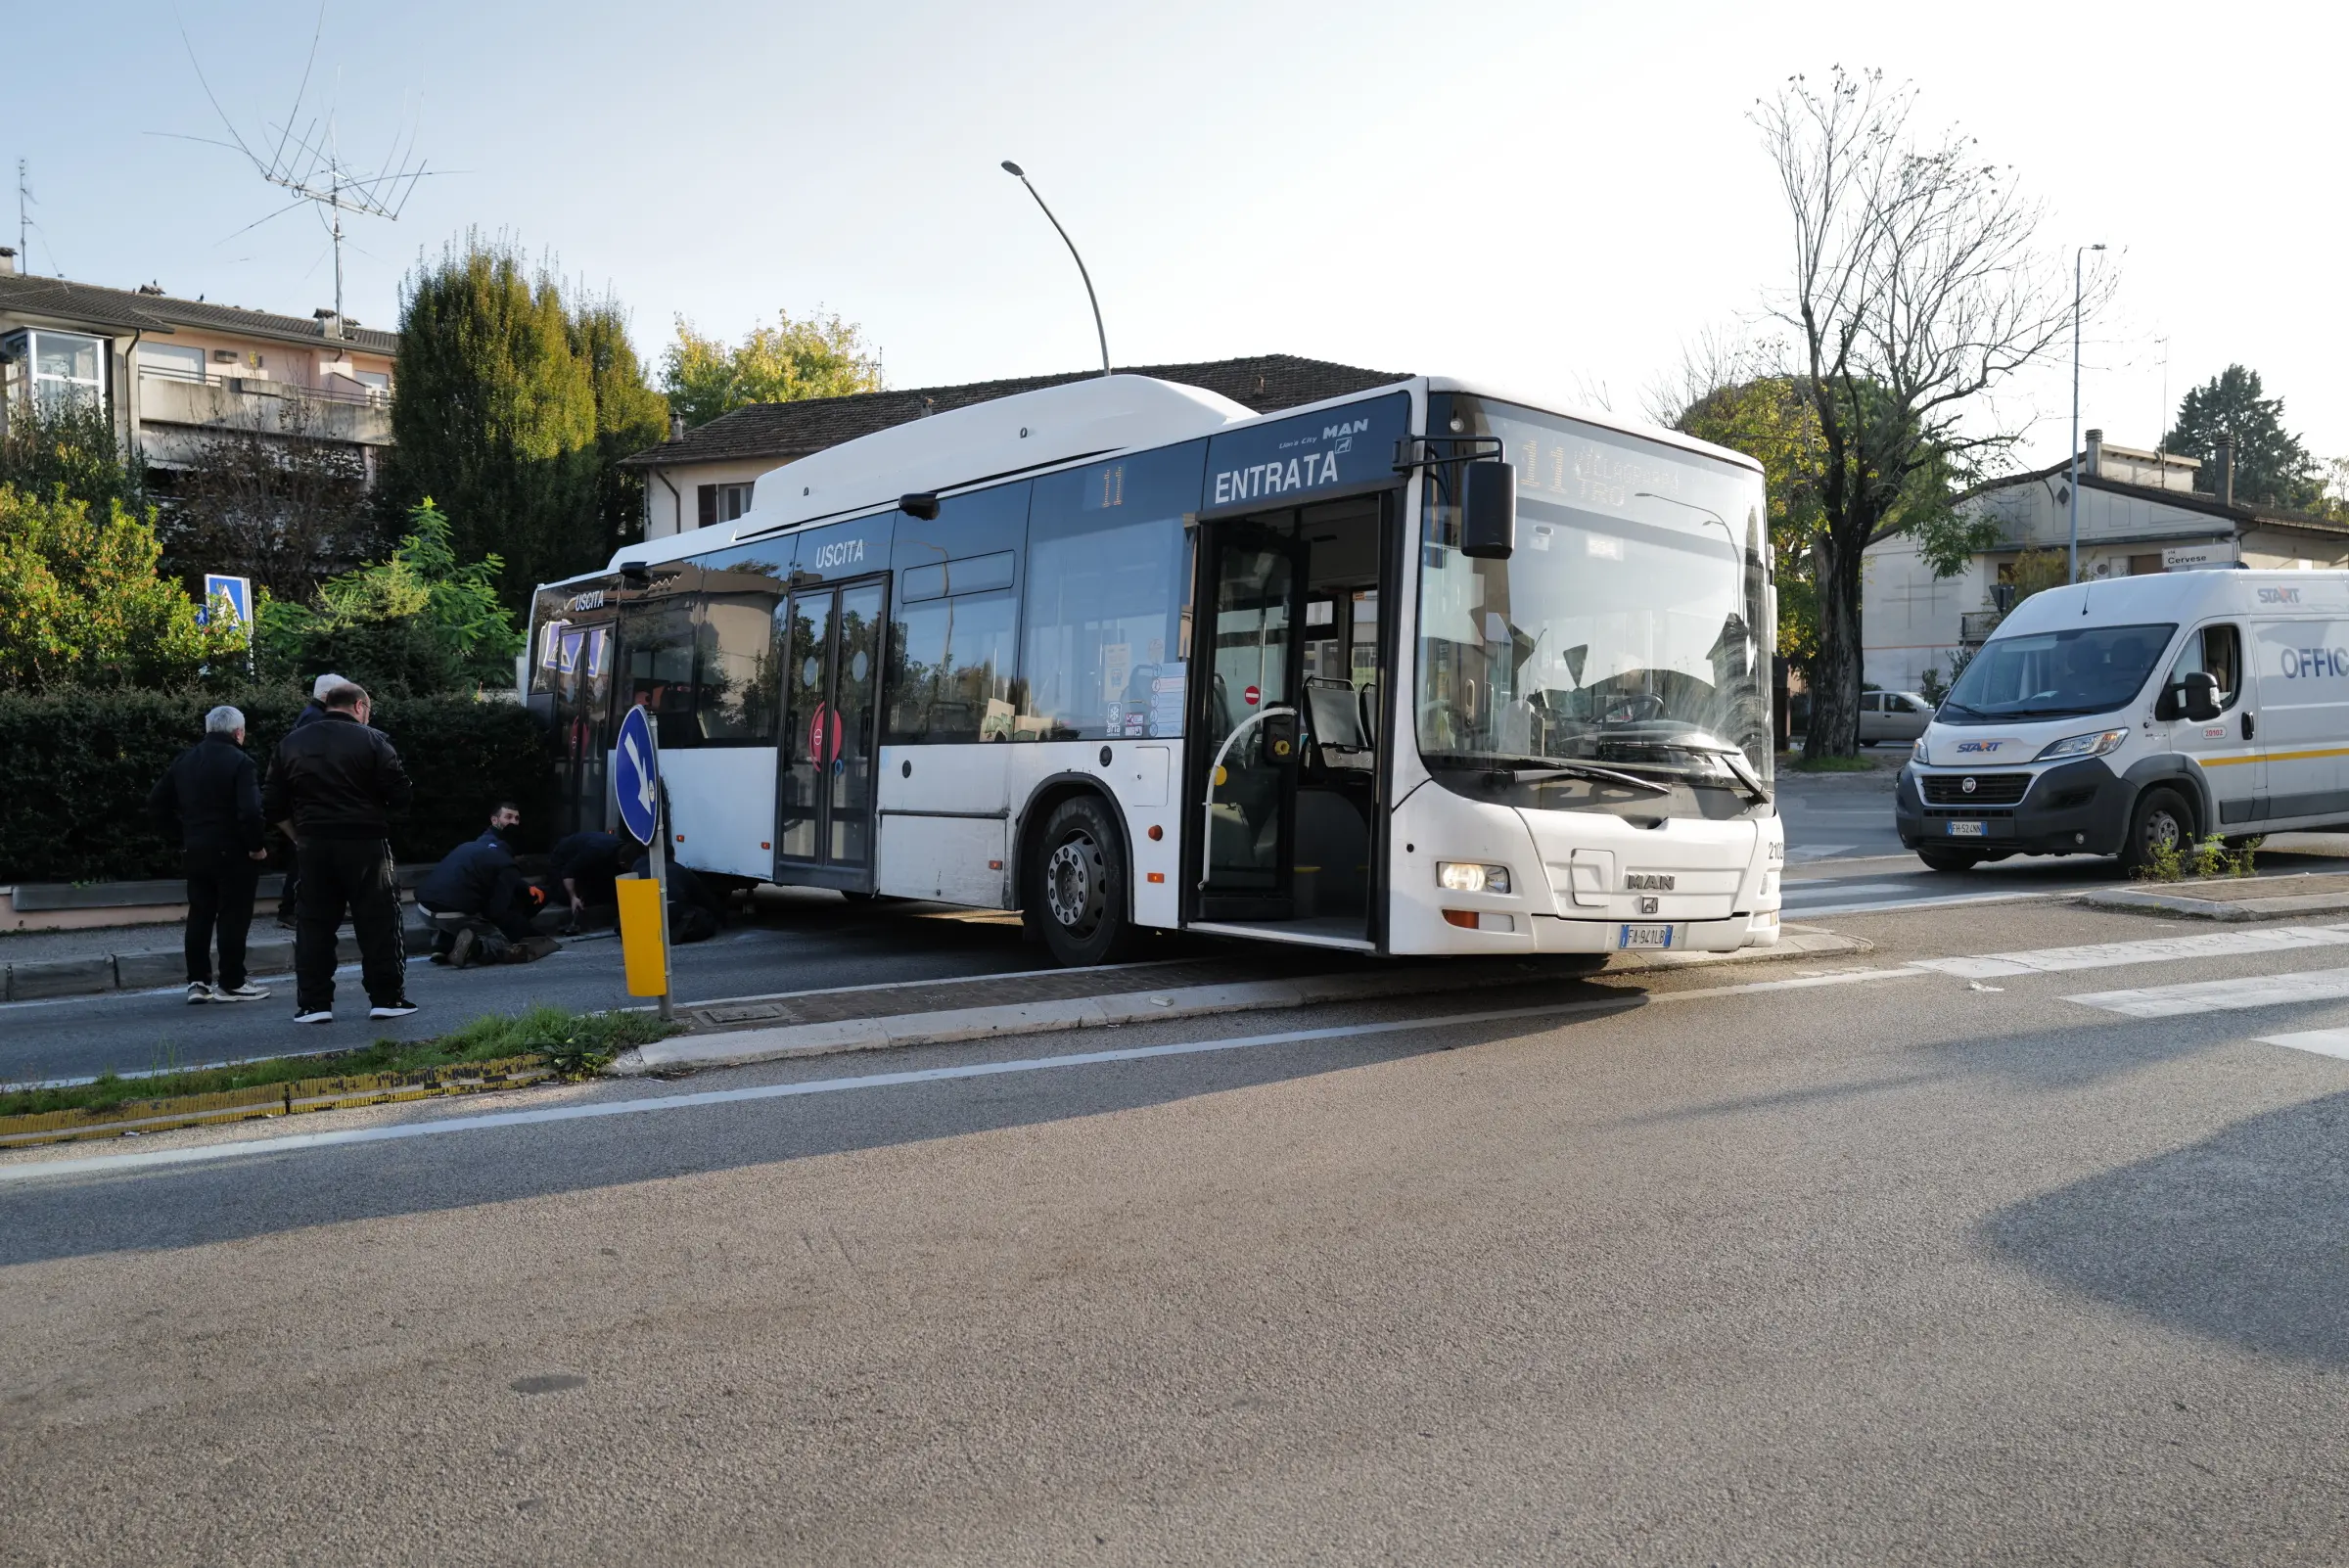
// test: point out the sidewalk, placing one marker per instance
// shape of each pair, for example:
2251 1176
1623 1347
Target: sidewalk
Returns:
40 964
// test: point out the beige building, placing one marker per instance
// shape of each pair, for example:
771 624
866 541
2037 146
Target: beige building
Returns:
172 371
2139 512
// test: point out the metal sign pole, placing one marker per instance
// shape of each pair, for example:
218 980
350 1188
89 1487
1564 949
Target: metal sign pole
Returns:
660 848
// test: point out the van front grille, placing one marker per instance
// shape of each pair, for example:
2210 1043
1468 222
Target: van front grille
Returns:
1989 789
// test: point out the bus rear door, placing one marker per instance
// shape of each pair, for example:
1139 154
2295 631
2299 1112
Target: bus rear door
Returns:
830 640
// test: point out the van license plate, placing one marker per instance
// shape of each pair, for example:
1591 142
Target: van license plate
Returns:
1967 830
1645 936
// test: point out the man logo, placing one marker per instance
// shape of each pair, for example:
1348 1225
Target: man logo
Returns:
1967 786
1639 881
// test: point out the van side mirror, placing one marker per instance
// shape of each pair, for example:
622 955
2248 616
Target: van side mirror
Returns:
1489 510
2202 697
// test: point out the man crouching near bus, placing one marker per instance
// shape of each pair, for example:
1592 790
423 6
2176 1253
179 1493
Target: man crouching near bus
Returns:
479 899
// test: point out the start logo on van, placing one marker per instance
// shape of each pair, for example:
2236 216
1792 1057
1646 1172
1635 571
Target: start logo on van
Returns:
2280 596
1982 747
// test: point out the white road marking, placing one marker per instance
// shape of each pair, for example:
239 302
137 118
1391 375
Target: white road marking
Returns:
2108 954
204 1153
2322 1042
1825 887
2221 996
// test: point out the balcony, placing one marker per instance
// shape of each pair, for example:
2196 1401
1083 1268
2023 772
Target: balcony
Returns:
176 412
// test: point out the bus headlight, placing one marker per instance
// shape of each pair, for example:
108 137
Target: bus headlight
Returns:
1466 876
2097 745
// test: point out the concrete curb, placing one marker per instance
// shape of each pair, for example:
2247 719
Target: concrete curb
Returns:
743 1048
2143 899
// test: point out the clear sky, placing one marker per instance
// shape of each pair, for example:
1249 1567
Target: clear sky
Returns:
1558 197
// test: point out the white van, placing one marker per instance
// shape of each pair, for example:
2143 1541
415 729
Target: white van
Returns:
2122 717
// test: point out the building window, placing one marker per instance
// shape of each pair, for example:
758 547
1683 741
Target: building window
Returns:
60 368
174 361
723 503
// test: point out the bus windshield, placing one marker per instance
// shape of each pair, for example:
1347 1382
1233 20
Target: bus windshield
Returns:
1631 628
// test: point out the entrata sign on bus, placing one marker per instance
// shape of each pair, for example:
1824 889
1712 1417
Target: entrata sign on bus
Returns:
1294 458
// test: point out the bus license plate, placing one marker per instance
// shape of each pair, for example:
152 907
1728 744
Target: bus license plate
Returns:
1967 830
1645 936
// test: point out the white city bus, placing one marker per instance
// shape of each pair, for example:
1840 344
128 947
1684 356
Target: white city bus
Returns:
1414 670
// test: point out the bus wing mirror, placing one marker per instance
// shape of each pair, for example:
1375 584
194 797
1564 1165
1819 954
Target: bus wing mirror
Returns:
1489 510
2202 697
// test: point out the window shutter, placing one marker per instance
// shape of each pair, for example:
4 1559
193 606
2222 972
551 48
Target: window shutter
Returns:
707 495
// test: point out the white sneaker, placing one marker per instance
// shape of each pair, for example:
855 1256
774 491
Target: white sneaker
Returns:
320 1016
200 991
248 992
398 1009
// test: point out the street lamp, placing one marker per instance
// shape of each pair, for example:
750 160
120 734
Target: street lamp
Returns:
1014 170
2077 256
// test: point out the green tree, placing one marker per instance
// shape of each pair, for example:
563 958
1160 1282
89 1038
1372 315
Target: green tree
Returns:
497 415
822 356
81 603
2270 463
419 622
70 446
1764 414
629 415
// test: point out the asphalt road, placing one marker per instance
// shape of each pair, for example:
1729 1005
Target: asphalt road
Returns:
808 941
1994 1260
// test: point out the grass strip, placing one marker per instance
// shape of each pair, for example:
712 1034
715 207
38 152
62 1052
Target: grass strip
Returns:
573 1044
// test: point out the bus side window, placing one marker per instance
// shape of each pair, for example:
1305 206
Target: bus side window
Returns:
658 643
1102 647
739 689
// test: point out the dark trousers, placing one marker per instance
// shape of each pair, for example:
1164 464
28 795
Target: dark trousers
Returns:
354 874
289 897
221 885
515 925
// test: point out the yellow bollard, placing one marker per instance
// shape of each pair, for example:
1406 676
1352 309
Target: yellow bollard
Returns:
640 936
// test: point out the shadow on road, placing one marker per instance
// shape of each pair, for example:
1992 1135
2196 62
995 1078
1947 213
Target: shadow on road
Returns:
269 1193
2243 1238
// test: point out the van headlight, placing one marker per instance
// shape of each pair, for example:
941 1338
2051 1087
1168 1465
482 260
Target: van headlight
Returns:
1916 751
1466 876
2076 745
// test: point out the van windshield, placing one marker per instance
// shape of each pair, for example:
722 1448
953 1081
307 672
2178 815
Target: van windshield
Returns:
2055 674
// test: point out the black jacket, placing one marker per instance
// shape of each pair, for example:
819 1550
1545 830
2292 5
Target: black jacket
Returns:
336 779
479 878
592 860
311 712
211 797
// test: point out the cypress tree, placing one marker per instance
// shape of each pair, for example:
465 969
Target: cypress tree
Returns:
629 415
496 416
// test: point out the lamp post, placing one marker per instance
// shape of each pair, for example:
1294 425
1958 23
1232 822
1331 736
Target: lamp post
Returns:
2078 255
1014 170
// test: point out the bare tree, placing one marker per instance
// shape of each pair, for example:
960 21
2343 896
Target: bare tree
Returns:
1919 286
272 499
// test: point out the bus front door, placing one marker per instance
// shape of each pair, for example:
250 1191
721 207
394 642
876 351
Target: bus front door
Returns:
829 640
1255 581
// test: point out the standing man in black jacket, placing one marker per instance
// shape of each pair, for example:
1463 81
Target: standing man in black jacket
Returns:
289 895
333 788
211 800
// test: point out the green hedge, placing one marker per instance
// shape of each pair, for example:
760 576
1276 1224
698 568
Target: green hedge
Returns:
75 768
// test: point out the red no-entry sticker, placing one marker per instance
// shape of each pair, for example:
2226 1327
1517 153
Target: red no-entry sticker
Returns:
1253 696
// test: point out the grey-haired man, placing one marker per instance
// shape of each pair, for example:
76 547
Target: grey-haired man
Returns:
210 799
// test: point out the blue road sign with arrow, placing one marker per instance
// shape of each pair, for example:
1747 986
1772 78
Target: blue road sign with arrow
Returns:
636 776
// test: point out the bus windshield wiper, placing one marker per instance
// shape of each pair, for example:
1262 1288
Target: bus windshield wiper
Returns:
1536 770
1732 758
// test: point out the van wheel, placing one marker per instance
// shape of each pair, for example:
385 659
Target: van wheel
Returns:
1077 884
2161 822
1948 859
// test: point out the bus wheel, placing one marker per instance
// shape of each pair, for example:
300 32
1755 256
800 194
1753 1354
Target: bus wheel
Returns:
2161 823
1077 877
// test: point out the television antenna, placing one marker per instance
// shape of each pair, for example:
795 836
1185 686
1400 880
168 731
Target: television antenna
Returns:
309 165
